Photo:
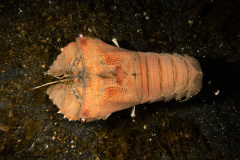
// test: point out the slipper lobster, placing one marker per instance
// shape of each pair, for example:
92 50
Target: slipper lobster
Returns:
97 79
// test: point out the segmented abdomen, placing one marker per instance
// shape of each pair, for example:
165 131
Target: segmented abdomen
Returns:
168 76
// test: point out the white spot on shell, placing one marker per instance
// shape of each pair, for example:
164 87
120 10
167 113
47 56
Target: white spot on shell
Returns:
82 120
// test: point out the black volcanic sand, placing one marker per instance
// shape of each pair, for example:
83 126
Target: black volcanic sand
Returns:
205 127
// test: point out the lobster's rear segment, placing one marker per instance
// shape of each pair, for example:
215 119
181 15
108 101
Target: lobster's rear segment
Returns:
168 76
105 79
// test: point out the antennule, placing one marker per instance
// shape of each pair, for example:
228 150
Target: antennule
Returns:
46 84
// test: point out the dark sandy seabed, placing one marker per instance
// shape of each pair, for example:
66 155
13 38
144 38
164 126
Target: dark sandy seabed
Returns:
205 127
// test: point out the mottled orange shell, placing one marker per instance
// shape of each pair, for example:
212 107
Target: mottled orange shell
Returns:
102 79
